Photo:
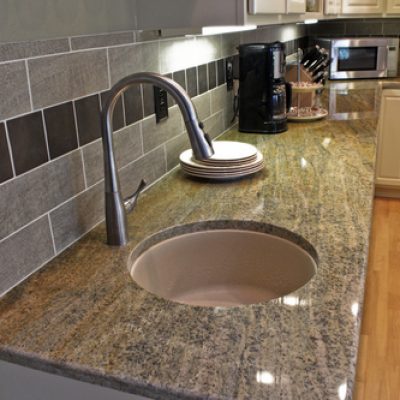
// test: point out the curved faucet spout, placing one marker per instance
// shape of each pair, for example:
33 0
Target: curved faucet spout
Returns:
201 145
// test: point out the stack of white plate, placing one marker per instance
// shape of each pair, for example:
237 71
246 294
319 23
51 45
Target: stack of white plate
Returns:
231 160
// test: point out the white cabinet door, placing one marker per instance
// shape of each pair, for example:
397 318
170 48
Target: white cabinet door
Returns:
267 6
362 6
388 151
332 7
296 6
393 7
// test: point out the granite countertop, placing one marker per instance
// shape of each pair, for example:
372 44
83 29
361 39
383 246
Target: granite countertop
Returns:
83 317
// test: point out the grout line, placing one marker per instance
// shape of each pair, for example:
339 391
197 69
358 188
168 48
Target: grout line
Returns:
75 123
29 84
122 96
165 156
70 44
84 168
45 135
10 151
141 136
108 68
52 234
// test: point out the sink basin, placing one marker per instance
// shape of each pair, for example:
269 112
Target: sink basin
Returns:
223 267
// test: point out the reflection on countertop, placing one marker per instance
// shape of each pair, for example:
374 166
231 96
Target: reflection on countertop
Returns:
82 316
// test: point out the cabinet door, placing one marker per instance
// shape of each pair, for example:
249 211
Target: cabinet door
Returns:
362 6
296 6
332 7
267 6
388 152
393 7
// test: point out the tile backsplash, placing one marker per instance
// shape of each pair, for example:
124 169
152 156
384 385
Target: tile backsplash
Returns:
51 162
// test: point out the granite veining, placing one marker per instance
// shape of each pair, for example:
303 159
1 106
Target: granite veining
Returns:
82 316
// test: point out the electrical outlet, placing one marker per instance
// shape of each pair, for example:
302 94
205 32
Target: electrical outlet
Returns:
229 73
160 104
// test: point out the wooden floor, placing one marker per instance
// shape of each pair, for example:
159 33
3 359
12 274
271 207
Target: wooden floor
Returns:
378 369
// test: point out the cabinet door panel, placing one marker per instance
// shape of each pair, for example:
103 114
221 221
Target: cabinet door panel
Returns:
393 7
296 6
388 159
362 6
267 7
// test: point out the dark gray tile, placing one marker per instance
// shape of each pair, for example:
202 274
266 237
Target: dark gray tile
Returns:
6 171
133 104
28 143
127 145
191 81
14 97
221 73
170 99
212 75
180 78
18 50
60 128
88 119
148 100
363 28
20 255
174 148
103 40
203 78
391 27
56 79
77 217
31 195
118 117
155 134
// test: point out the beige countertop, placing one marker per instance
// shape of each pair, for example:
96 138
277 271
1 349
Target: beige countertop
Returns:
82 316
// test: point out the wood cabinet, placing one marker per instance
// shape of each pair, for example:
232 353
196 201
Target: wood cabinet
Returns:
332 7
296 6
362 6
393 7
267 7
388 149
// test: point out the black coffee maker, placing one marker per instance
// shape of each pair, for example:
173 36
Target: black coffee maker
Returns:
264 97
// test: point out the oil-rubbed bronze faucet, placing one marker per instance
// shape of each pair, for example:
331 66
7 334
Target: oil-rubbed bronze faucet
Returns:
117 208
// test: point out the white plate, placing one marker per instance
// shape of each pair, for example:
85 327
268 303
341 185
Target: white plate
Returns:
225 176
185 160
226 152
292 116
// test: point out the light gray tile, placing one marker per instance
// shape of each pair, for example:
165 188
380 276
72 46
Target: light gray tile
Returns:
155 134
127 145
221 98
14 97
76 217
143 36
106 40
20 255
150 167
174 148
18 50
214 125
127 60
28 196
202 104
55 79
229 44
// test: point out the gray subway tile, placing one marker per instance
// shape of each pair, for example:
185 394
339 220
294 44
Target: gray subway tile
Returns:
150 167
363 28
391 27
230 42
29 196
202 105
180 78
175 147
127 145
148 99
35 48
214 125
6 171
202 78
20 255
55 79
133 101
103 40
118 121
77 216
155 134
126 60
212 75
14 98
88 119
221 73
191 81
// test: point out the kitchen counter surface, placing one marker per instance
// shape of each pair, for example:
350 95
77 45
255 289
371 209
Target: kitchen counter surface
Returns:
83 317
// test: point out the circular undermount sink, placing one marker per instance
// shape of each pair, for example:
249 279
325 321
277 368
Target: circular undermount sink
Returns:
223 263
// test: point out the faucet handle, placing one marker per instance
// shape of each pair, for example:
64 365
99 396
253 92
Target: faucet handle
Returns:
131 200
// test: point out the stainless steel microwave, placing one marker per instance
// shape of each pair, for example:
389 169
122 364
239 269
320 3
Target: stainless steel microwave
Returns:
369 57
